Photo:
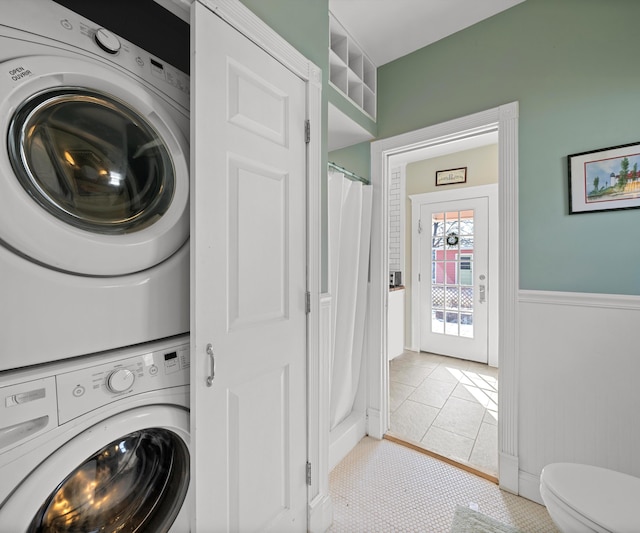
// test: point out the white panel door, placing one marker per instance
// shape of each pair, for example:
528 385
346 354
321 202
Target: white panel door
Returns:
453 278
248 285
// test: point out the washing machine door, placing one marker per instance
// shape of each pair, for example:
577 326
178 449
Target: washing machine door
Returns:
134 479
94 179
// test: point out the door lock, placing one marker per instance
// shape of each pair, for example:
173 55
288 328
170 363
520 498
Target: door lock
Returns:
483 295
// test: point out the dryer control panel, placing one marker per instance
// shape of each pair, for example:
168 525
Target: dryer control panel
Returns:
49 22
86 389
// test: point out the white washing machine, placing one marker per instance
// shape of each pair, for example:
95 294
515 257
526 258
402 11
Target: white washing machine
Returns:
98 443
94 217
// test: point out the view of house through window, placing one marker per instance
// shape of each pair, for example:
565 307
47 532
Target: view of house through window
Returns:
452 273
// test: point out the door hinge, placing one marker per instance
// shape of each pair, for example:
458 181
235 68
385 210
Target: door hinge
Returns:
308 474
307 131
308 302
419 226
419 280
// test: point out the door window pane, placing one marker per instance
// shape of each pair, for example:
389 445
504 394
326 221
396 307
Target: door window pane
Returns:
466 325
452 272
451 323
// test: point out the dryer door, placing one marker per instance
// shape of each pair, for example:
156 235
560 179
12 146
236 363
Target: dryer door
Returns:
95 179
129 476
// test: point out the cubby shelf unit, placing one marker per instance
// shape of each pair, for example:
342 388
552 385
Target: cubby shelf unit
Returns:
351 71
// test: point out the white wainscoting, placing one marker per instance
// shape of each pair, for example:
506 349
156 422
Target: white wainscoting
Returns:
579 390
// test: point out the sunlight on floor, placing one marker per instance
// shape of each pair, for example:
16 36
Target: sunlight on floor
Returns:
446 405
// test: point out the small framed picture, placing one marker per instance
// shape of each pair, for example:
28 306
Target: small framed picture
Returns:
605 179
451 176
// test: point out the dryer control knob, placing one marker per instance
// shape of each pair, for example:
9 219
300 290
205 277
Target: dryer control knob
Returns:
107 41
120 380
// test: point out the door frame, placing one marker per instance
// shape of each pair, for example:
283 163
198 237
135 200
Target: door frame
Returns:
505 118
251 26
417 201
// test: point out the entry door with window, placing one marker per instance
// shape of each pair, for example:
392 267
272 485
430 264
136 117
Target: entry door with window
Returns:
453 278
248 329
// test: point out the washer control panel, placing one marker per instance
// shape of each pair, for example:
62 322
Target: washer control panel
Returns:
83 390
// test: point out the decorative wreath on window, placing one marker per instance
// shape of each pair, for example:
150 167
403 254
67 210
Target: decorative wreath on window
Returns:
452 239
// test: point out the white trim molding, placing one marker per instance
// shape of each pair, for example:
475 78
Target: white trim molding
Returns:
505 120
580 299
252 27
320 505
509 271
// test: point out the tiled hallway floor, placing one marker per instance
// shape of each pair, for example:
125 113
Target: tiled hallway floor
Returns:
448 406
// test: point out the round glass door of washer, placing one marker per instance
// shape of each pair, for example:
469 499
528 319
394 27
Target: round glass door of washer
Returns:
136 483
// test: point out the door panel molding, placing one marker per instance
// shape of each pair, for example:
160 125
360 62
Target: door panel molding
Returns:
257 194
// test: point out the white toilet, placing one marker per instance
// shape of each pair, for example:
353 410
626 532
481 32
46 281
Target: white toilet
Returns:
583 498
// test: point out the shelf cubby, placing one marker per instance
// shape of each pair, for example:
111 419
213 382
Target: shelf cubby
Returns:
350 71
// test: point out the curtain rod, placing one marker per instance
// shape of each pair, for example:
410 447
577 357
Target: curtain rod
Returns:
349 174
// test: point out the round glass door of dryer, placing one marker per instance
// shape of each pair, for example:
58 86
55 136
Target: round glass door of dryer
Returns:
91 161
136 483
94 173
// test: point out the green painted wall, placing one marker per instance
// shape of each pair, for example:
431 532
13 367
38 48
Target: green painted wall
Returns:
356 158
303 23
573 67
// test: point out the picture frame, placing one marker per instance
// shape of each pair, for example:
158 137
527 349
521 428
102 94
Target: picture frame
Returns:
604 180
451 176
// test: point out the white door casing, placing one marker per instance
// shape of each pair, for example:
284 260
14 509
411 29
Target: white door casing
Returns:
453 312
505 117
249 279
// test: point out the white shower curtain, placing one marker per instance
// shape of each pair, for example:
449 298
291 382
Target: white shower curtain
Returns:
349 245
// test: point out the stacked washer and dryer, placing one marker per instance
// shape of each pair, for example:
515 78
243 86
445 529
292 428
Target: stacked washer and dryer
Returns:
94 278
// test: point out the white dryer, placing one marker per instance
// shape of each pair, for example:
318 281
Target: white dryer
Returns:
98 443
94 218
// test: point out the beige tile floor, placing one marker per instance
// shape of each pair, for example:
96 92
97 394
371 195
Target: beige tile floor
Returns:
383 487
446 405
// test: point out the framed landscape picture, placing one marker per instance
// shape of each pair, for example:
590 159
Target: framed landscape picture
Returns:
605 179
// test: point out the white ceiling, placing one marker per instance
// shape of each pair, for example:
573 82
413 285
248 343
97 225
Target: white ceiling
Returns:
389 29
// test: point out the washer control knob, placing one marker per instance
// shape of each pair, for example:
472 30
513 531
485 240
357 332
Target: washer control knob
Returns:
120 380
107 41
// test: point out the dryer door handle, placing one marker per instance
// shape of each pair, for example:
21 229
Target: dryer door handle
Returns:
212 375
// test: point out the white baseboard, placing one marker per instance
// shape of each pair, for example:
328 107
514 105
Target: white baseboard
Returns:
320 514
345 436
508 472
530 487
374 424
